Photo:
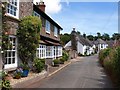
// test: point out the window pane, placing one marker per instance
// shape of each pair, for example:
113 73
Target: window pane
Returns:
9 60
13 60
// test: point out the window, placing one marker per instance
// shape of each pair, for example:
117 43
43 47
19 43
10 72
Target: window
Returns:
59 51
12 8
101 45
47 26
10 54
36 14
49 51
55 31
41 51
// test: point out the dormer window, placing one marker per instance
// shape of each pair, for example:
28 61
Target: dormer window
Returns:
47 26
55 31
13 8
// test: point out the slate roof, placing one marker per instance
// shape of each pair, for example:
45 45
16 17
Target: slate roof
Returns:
110 43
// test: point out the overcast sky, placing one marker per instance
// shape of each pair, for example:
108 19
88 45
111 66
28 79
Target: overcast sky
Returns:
86 17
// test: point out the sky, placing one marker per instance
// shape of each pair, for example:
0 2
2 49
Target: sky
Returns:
86 17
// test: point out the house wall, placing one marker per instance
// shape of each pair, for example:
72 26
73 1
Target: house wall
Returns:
51 34
80 48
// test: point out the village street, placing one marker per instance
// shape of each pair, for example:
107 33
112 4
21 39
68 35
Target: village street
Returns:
84 73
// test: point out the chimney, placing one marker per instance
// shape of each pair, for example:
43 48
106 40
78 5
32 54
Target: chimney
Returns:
41 5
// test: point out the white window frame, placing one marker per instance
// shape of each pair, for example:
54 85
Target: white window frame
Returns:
41 51
59 51
36 14
12 56
47 26
49 51
55 31
12 5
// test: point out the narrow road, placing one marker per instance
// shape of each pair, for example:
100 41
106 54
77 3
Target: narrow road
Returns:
85 73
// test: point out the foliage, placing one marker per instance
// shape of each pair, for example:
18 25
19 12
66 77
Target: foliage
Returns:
64 38
65 56
106 36
111 62
56 62
28 37
39 64
4 84
79 54
103 54
18 73
62 60
24 66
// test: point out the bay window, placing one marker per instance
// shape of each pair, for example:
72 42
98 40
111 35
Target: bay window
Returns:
13 8
59 51
49 50
41 51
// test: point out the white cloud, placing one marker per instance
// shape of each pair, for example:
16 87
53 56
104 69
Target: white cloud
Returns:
52 6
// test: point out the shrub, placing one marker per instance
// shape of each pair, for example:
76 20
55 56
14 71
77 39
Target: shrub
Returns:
38 64
65 56
56 62
28 37
62 60
103 54
79 54
112 65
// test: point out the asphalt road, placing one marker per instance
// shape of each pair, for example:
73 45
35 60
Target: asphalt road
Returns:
86 73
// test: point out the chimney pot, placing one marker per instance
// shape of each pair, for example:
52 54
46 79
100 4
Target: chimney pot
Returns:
41 6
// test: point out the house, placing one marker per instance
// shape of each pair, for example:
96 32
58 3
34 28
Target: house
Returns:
49 48
80 44
100 44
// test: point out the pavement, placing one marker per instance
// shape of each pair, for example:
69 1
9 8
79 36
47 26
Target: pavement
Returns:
27 81
83 73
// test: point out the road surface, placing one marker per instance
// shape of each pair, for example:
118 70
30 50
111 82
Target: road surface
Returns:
85 73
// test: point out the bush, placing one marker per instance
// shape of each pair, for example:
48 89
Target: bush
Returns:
103 54
62 61
56 62
39 64
65 56
112 65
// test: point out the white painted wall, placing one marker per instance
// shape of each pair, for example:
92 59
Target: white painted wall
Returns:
80 48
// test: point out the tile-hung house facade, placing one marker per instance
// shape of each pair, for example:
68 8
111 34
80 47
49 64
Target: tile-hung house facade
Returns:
49 47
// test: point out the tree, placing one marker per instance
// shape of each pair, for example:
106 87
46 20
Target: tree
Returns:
105 36
98 35
115 36
84 35
64 38
90 37
28 37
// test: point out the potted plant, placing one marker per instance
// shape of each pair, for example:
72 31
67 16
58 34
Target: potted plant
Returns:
25 68
17 75
56 62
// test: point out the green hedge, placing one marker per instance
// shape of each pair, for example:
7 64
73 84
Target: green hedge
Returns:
111 62
103 54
